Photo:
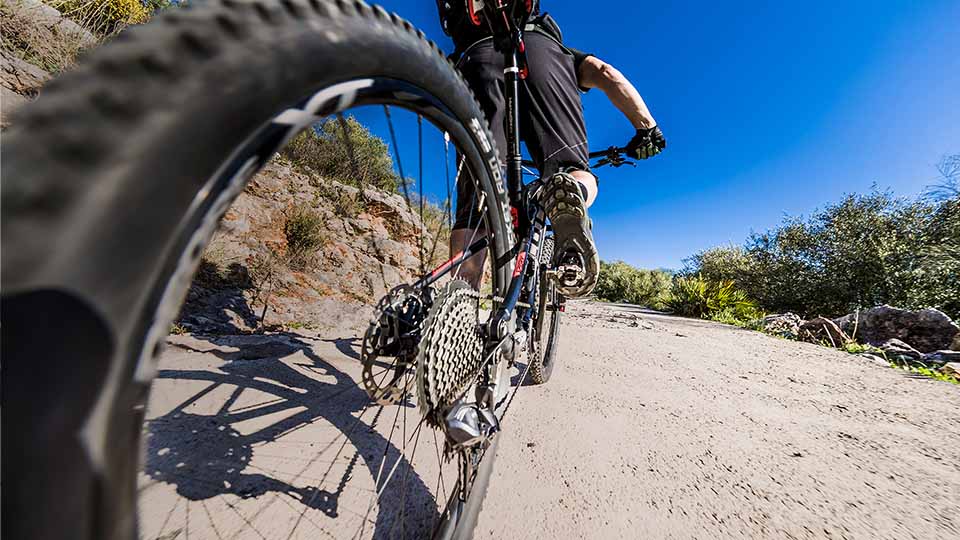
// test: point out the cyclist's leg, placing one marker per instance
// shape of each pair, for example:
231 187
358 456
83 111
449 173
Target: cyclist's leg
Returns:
555 133
482 67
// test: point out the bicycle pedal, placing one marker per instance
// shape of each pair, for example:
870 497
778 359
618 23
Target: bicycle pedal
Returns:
569 275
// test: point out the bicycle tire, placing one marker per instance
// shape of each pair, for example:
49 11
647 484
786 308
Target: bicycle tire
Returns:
106 212
547 327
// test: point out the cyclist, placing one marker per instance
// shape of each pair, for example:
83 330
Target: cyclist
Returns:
551 125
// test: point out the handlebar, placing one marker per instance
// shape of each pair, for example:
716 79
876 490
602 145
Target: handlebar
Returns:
608 152
614 156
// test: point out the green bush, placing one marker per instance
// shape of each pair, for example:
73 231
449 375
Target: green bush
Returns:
303 230
620 282
863 251
323 149
694 296
103 16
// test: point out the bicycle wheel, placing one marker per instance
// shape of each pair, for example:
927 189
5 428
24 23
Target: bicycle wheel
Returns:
546 328
113 183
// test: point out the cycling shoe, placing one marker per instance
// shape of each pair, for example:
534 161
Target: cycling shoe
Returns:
563 201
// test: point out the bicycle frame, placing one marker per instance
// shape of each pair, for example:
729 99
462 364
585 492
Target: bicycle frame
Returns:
529 217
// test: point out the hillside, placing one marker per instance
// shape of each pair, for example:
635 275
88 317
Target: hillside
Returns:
297 250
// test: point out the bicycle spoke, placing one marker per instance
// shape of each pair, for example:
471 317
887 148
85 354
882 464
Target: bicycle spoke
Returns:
374 497
396 152
423 224
448 206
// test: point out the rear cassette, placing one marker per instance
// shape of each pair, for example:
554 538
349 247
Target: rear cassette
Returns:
451 351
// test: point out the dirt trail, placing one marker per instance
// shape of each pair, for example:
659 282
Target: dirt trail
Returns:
678 428
652 427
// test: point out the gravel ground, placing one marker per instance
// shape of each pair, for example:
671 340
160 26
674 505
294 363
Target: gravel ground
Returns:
661 427
651 427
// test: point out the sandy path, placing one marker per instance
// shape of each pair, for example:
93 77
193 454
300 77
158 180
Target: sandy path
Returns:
687 429
652 427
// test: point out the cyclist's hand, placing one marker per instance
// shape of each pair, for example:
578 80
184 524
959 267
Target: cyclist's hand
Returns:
646 143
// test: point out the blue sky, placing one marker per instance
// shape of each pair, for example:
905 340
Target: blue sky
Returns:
769 109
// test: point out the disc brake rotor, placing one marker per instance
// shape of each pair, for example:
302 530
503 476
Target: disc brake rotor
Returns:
390 344
451 350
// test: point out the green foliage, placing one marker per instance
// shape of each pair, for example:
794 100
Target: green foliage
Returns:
853 347
103 16
324 150
303 229
694 296
863 251
927 372
620 282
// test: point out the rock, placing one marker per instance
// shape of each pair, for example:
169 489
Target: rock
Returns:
46 17
784 325
822 331
19 76
899 351
10 101
951 368
941 357
926 330
875 359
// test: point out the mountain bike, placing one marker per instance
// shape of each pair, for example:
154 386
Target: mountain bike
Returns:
114 182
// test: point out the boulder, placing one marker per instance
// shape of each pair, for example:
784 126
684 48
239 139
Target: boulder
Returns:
875 359
941 357
785 325
899 351
48 18
951 368
822 331
20 76
926 330
10 101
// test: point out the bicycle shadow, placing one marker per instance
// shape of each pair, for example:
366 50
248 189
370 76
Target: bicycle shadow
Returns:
206 455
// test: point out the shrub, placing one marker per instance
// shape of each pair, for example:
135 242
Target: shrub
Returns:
694 296
860 252
103 16
620 282
303 229
50 47
324 150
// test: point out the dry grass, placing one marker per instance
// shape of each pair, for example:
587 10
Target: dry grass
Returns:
54 45
53 48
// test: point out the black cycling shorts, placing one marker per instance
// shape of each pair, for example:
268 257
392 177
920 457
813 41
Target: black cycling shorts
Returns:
551 113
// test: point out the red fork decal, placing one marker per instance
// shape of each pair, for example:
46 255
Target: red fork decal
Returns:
519 267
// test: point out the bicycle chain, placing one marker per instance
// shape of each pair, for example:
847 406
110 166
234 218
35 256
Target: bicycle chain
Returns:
451 350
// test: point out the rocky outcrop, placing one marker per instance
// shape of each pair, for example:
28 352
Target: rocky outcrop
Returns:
49 19
19 76
925 330
19 81
822 331
371 244
784 325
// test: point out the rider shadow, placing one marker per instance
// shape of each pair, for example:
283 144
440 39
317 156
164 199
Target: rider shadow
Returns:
216 302
205 455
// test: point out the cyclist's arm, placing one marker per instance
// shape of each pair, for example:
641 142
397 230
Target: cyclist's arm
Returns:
595 73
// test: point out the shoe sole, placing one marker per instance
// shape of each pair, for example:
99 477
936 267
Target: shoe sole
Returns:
571 226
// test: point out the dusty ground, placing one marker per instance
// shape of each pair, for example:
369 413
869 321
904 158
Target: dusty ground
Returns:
652 427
